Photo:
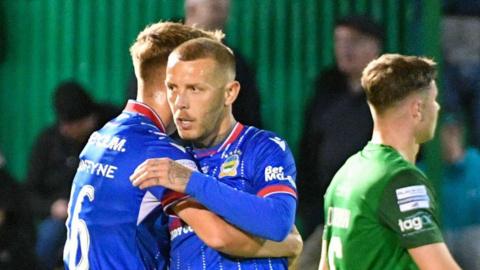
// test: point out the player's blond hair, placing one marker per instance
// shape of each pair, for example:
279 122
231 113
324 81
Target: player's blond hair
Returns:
207 48
153 45
392 77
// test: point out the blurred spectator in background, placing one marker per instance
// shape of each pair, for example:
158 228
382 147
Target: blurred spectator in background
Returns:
212 15
461 49
460 191
461 7
17 234
54 161
338 120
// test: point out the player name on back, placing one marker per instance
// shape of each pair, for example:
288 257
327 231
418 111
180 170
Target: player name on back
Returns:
96 168
107 142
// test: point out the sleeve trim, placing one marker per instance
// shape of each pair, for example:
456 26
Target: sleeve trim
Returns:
170 199
277 189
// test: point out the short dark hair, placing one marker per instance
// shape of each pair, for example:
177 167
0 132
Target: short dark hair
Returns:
72 102
364 25
392 77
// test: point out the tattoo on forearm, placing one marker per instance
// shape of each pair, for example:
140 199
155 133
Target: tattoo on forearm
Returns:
178 174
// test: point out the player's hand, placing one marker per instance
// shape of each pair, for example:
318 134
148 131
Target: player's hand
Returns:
161 172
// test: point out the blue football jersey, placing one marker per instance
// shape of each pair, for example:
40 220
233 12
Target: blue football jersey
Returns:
112 224
252 160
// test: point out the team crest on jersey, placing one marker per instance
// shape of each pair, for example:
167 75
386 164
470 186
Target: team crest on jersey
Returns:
229 166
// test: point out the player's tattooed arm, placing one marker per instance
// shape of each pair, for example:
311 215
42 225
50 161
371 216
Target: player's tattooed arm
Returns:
178 174
161 172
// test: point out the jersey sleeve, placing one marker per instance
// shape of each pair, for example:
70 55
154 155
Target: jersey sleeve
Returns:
273 170
270 218
169 198
268 210
409 208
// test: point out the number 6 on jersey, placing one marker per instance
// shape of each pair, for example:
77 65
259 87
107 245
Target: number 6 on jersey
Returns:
78 234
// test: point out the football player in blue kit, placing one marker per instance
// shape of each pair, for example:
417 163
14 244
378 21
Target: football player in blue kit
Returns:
249 175
113 225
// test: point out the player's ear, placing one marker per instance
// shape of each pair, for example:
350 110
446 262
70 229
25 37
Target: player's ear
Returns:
416 108
231 92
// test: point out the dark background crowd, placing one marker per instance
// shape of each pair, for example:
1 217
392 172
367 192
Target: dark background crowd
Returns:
325 118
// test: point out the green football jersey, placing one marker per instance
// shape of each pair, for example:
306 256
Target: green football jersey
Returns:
377 207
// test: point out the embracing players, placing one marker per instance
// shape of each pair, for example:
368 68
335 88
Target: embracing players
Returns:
201 88
113 225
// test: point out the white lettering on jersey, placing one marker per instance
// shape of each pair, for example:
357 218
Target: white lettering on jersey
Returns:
280 142
410 224
412 197
338 217
411 191
276 173
107 142
95 168
417 222
404 207
180 231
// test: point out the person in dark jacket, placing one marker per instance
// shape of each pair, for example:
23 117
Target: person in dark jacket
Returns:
17 233
338 121
54 161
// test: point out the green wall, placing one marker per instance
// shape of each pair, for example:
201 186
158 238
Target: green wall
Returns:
286 41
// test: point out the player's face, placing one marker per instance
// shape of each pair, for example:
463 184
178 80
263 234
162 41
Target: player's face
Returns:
429 114
353 50
196 96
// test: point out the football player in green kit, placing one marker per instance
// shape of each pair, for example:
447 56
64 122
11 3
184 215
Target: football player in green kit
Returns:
380 210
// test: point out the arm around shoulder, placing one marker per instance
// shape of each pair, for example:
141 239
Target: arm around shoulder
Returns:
224 237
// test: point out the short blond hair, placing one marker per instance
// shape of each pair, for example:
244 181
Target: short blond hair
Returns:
392 77
199 48
153 45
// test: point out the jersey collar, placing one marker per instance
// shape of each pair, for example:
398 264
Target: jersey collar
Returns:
234 134
134 106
